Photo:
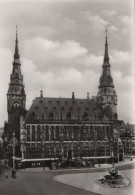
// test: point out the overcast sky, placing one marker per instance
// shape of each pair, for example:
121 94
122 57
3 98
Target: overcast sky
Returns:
61 45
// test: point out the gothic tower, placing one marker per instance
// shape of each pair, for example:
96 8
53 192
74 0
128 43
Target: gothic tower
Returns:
107 96
16 97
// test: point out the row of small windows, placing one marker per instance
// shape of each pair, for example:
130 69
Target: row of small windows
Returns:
15 95
34 133
67 133
83 127
63 108
85 116
66 102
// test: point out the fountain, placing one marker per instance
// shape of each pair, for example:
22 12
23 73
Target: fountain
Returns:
114 180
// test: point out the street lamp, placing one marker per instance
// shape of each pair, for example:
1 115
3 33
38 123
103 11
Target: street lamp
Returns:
61 141
43 147
105 147
23 140
112 153
14 142
78 156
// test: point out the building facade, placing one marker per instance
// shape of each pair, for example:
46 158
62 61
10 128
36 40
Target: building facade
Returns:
16 99
128 139
65 128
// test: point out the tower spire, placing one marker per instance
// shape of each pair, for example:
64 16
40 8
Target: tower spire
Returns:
16 55
106 56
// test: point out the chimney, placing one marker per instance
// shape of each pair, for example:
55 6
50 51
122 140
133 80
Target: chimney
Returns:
41 93
73 95
88 97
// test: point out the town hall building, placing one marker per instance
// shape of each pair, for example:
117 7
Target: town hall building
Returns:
63 128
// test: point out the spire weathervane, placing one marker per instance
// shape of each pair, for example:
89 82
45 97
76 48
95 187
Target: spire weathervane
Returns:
16 33
106 32
16 55
106 56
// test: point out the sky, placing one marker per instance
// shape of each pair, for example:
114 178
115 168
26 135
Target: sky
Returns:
61 44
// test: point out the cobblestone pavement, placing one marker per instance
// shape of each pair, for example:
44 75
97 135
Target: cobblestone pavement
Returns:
36 181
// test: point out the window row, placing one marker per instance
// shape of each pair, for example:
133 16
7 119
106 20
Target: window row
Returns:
67 133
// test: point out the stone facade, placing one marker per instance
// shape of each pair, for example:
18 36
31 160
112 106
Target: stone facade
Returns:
16 99
67 128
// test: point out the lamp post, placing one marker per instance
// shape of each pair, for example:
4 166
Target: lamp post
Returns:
43 148
105 147
23 139
112 154
14 142
61 141
79 144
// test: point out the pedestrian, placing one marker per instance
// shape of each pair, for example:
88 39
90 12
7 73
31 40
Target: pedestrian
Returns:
13 173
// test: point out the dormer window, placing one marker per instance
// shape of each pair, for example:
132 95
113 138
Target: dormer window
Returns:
85 116
68 116
51 116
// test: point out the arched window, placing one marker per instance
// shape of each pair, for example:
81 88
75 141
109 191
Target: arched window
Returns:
75 133
107 132
70 134
82 134
57 133
47 152
38 133
28 133
52 135
68 116
57 152
15 105
33 133
47 133
65 152
52 152
65 135
86 132
91 134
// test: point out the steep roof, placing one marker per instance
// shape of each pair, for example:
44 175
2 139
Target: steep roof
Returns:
63 108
